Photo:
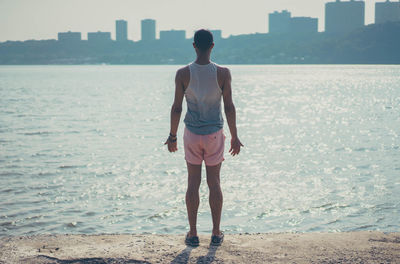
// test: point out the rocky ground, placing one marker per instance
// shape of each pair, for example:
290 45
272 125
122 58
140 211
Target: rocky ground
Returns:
347 247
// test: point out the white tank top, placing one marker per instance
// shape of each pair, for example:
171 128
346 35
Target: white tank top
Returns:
203 97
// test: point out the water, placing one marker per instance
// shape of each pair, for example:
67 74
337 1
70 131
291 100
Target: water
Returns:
81 151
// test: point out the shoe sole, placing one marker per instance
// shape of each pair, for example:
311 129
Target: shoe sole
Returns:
192 245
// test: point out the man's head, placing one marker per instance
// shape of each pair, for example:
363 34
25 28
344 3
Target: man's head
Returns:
203 40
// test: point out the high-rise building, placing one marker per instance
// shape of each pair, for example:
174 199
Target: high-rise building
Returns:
121 30
284 23
387 11
172 35
217 34
304 25
99 37
341 17
279 22
148 30
69 36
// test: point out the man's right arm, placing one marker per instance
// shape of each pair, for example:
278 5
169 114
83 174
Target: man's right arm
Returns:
230 112
176 110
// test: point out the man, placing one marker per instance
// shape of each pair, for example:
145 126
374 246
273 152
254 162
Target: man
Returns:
203 83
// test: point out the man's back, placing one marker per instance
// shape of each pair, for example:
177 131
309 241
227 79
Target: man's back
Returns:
203 96
184 75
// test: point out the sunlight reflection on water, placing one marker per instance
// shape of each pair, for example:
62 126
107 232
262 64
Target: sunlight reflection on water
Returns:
82 151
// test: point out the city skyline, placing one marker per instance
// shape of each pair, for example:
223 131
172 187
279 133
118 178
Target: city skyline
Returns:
9 28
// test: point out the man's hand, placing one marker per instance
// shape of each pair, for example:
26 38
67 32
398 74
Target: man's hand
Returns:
235 146
172 146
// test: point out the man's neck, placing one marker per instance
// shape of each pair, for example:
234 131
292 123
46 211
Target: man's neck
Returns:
203 59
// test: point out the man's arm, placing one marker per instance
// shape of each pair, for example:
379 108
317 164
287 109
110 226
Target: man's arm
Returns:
176 110
230 112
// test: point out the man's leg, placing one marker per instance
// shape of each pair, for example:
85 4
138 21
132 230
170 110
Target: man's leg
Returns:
215 199
192 196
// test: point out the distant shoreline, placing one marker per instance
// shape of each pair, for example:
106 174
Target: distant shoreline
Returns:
371 44
229 64
344 247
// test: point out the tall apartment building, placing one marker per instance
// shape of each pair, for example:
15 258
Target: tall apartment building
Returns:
342 17
217 34
279 22
173 35
69 36
387 12
283 22
99 37
121 30
148 30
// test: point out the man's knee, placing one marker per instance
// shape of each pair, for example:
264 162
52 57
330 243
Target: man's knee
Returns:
213 181
193 190
214 186
215 192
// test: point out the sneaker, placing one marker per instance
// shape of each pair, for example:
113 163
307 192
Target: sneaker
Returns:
217 240
192 241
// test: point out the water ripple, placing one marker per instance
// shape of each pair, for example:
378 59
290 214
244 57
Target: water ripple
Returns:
82 151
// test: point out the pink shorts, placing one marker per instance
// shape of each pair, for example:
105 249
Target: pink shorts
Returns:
209 148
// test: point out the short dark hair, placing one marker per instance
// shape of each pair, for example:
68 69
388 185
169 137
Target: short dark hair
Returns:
203 39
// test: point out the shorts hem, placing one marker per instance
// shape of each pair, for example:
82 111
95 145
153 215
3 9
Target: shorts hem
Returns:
193 163
214 164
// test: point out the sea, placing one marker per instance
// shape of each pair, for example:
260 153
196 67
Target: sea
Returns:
82 151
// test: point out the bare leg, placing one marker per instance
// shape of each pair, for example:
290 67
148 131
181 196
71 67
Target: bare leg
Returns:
215 199
192 196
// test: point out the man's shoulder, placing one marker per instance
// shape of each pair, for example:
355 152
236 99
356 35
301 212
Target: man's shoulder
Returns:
221 68
223 71
183 74
183 71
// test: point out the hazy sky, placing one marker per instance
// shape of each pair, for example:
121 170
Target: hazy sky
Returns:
42 19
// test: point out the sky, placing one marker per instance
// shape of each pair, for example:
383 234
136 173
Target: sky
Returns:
43 19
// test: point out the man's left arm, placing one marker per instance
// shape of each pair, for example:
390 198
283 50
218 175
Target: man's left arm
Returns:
176 111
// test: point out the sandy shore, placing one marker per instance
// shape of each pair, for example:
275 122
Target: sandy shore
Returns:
348 247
